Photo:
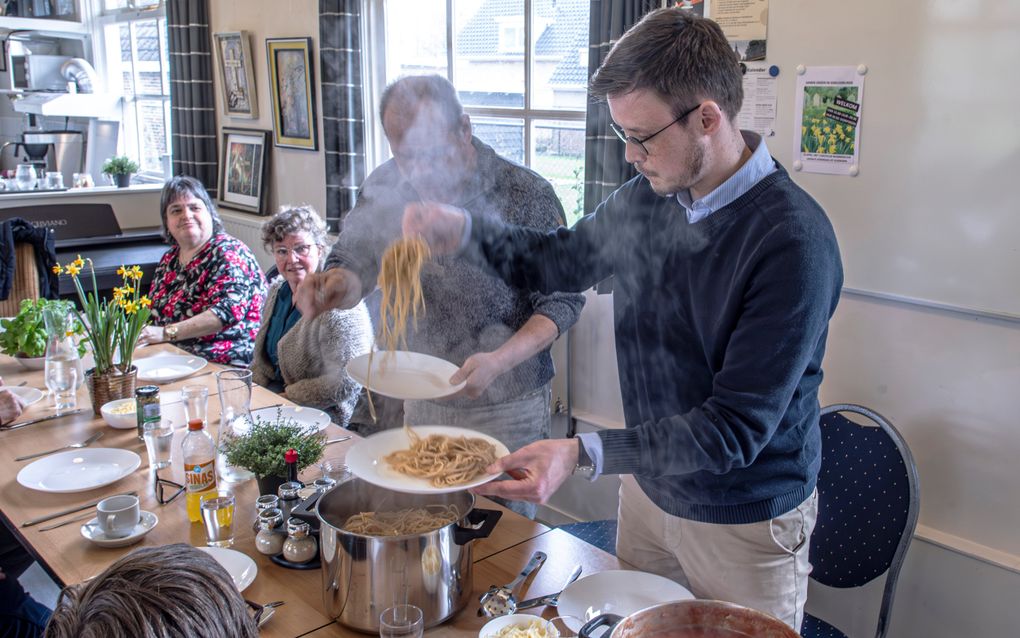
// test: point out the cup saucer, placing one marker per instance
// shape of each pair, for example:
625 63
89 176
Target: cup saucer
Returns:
146 521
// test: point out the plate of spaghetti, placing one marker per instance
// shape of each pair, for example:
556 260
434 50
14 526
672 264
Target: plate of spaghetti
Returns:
425 459
404 375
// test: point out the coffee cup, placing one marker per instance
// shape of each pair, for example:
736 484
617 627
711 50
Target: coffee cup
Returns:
118 515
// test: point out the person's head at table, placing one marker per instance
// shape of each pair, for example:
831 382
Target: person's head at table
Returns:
674 88
296 238
188 214
429 135
155 592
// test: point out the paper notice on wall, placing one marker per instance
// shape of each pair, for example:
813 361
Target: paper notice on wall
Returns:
827 118
745 24
758 113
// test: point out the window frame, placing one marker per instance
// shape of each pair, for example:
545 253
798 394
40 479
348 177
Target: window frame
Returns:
374 70
130 143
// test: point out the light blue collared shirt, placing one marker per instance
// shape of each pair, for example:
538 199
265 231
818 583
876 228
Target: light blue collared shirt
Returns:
759 166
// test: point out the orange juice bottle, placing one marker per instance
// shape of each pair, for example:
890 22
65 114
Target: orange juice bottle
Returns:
199 453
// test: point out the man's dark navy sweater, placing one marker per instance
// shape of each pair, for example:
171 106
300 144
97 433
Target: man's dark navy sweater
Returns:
720 333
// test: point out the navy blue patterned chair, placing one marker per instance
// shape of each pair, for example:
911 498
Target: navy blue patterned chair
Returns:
601 534
868 502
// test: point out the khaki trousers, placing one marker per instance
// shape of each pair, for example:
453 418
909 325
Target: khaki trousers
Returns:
759 565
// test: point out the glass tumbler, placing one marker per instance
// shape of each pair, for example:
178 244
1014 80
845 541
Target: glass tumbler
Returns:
401 621
159 437
235 418
218 517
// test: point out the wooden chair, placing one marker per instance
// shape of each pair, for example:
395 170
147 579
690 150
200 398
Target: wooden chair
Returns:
26 280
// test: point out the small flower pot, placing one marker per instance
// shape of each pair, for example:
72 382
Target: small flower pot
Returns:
104 388
123 180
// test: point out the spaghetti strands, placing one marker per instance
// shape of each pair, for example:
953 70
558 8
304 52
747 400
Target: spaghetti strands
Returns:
402 297
412 520
443 460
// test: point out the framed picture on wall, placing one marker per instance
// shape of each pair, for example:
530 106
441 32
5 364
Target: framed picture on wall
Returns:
293 88
238 79
243 169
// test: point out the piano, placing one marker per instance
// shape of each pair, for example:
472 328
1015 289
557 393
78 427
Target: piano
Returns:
92 231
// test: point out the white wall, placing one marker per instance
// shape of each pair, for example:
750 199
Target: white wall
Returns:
296 176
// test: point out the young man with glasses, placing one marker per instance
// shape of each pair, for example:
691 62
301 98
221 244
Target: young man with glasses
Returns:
726 275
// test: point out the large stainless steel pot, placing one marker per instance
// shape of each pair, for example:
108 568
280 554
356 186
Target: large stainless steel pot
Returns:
691 619
363 575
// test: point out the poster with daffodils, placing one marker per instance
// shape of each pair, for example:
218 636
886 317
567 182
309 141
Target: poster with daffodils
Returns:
828 120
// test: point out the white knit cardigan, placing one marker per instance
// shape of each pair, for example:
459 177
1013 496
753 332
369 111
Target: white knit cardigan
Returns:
313 357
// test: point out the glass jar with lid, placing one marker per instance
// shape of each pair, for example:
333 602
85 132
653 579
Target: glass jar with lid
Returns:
269 540
299 547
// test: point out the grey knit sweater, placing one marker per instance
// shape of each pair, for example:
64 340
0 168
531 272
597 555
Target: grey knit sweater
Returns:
467 308
313 357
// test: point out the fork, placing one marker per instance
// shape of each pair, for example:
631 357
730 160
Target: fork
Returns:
87 442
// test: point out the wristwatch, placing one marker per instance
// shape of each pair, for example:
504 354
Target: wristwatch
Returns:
170 332
585 466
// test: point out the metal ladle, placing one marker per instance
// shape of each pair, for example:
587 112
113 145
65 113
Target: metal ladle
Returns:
499 601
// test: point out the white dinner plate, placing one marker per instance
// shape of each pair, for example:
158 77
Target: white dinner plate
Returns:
241 568
79 470
366 459
28 395
146 521
164 368
306 417
620 592
405 375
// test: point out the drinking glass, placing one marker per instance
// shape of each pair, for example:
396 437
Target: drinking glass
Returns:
83 180
62 381
401 621
54 180
218 517
235 418
63 365
335 470
24 176
196 402
159 437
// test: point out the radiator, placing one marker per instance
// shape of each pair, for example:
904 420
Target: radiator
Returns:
248 229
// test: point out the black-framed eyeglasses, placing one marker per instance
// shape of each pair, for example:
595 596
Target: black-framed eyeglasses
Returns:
165 487
640 143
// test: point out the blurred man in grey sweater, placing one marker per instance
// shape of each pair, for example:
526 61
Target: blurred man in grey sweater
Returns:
498 335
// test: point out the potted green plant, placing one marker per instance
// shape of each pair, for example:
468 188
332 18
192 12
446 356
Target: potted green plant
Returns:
260 450
24 336
120 168
112 327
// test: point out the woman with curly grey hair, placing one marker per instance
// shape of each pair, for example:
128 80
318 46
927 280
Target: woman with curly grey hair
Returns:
155 592
306 360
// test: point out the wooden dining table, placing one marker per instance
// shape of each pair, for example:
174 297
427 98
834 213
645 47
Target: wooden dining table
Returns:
69 558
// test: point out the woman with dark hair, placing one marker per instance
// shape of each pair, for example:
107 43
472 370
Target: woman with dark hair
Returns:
208 290
155 592
306 359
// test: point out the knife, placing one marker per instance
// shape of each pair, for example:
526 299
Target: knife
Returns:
72 510
15 426
549 599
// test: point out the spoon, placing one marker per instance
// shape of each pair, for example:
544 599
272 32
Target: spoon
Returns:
87 442
499 601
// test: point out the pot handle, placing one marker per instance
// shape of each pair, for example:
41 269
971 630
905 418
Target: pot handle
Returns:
487 519
608 620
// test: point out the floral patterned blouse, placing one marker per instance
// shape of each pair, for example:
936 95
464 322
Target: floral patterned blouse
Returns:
224 278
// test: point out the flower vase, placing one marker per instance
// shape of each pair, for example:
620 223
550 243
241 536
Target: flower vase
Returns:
107 387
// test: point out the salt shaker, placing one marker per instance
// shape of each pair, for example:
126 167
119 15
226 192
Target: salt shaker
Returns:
264 502
290 498
299 546
269 541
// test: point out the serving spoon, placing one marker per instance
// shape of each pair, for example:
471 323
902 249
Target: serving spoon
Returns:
499 601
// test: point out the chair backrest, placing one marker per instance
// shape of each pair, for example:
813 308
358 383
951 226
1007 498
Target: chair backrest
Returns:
26 280
868 503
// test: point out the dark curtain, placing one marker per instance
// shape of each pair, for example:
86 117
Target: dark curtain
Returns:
343 118
605 168
192 105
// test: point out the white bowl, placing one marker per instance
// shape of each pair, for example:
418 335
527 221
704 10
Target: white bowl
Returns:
126 421
32 363
492 627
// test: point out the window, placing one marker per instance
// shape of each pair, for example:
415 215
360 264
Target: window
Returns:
520 68
133 34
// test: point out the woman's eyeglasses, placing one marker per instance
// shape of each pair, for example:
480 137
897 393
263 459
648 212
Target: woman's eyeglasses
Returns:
640 143
167 490
301 250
